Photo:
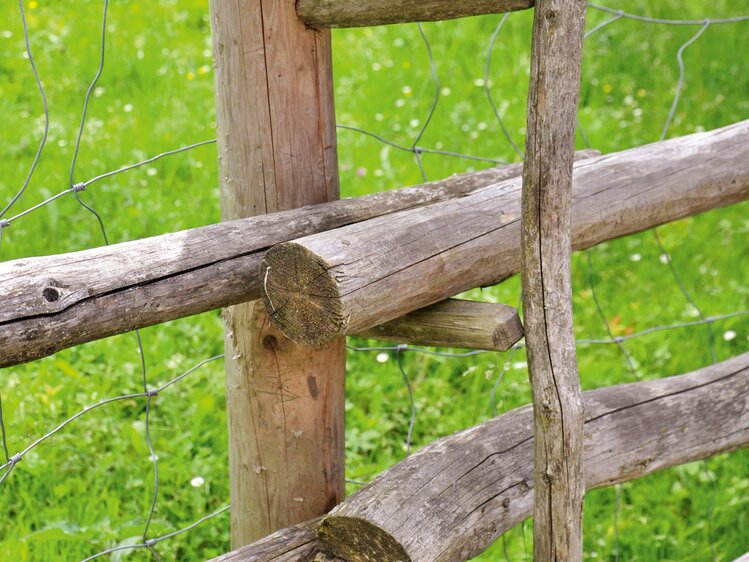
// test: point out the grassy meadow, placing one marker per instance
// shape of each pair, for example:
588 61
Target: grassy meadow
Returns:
90 487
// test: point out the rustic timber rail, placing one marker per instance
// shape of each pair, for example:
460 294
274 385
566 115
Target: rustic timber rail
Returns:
54 302
430 260
452 498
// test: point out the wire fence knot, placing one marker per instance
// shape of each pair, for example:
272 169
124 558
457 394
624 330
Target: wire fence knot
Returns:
152 393
15 459
78 187
417 150
4 223
150 543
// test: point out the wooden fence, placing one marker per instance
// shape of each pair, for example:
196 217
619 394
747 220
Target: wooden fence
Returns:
286 239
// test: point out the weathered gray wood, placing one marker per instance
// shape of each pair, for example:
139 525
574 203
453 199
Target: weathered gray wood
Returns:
744 558
349 279
54 302
345 13
297 543
277 151
556 60
451 499
455 323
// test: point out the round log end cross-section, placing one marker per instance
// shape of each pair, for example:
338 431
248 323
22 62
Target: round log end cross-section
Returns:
357 540
302 295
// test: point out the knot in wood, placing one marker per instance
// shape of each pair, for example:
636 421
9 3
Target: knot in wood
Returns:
51 294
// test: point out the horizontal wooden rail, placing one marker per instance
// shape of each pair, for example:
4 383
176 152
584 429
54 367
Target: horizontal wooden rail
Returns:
455 323
297 543
54 302
452 498
347 280
345 13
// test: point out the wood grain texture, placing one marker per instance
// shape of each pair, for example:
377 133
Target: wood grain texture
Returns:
453 498
546 252
277 150
455 323
352 278
345 13
54 302
296 543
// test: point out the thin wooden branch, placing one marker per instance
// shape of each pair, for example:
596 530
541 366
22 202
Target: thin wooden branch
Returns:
455 323
55 302
347 280
556 60
345 13
453 498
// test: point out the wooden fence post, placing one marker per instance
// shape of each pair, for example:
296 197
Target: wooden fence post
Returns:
277 150
556 57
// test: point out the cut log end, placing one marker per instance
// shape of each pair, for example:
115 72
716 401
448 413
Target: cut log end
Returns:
301 295
358 540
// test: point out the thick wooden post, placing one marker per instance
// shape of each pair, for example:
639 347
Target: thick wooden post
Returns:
277 150
556 58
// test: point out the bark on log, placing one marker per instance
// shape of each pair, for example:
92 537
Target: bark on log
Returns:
297 543
55 302
347 280
451 499
556 60
345 13
455 323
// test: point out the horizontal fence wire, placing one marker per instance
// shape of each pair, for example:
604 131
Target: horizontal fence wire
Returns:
397 351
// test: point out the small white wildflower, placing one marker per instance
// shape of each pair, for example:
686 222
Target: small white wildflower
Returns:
197 482
728 335
382 357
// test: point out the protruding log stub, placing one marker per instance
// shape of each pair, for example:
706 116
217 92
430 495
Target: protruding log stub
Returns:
301 294
454 323
356 539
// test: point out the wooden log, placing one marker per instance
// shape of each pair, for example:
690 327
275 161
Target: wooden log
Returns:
349 279
453 498
344 13
455 323
277 151
55 302
296 543
546 274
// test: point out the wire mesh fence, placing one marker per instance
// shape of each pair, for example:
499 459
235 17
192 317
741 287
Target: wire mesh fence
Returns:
640 307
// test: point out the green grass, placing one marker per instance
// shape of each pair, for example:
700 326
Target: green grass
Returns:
90 486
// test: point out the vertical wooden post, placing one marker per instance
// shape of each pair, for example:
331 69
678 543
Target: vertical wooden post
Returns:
556 58
277 150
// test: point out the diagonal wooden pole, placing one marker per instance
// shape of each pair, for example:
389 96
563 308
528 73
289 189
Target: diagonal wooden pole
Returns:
556 58
277 150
